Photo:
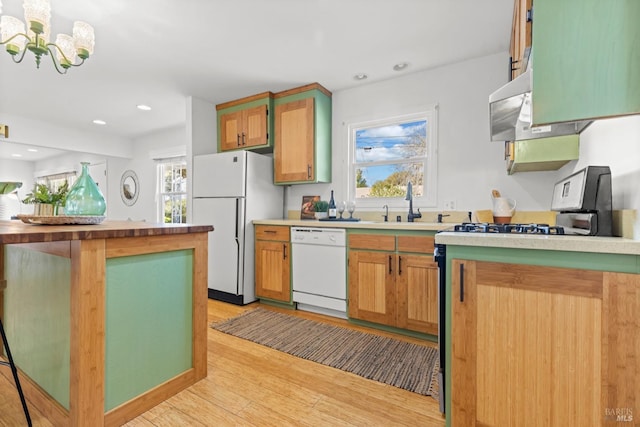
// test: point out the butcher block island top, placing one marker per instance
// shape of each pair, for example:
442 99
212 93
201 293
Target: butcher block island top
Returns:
116 312
19 232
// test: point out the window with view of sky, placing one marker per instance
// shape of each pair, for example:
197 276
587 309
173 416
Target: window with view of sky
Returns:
387 157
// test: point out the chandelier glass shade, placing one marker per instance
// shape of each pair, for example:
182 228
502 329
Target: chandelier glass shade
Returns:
66 52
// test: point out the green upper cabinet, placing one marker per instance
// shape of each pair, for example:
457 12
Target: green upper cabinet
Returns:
246 124
586 59
302 142
543 154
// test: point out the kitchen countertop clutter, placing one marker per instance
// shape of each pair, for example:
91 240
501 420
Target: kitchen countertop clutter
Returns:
424 226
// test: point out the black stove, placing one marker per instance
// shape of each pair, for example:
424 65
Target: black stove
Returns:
484 227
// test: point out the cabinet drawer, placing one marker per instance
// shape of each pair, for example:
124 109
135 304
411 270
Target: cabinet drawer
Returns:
417 244
372 241
272 232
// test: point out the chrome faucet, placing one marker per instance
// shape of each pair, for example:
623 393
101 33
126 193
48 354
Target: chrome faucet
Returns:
386 213
411 215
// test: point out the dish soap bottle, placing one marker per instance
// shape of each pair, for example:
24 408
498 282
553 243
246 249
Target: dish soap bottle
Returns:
333 212
85 198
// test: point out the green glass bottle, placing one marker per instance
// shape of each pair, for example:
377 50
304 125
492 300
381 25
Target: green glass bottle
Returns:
85 198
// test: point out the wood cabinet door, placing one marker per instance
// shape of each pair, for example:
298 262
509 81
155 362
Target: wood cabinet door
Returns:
294 141
526 345
520 36
417 293
620 348
372 286
273 271
254 132
230 131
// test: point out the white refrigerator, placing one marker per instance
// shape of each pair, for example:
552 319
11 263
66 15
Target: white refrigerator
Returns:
230 190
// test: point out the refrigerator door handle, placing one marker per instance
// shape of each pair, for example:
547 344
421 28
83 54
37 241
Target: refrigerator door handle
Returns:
237 217
237 239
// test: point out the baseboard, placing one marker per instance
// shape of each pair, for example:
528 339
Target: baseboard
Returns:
227 297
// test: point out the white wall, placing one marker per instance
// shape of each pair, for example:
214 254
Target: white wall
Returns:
166 143
201 136
614 143
469 164
28 131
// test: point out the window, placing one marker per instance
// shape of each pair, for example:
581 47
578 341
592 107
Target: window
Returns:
387 154
54 182
172 182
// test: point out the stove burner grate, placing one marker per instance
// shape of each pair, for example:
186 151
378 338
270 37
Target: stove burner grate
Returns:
483 227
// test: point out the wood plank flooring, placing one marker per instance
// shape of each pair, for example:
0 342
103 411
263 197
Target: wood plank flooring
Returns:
252 385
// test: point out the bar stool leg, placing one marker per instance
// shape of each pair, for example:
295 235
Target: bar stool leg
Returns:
14 371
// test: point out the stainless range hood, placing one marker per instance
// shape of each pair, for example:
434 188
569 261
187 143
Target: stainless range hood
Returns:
510 113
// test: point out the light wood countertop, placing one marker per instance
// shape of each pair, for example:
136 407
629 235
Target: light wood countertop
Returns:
373 225
573 243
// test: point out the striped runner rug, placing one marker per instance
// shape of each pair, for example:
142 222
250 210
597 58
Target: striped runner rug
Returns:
405 365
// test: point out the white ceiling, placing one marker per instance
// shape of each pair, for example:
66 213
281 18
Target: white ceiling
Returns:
158 53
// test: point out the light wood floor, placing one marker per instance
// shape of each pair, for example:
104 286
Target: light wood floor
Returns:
252 385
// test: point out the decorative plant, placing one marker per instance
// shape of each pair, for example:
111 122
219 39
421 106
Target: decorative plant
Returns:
59 197
43 194
40 194
320 206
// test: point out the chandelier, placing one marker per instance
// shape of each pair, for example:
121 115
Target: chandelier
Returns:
66 52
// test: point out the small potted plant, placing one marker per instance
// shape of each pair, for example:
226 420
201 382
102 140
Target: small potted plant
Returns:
320 208
44 201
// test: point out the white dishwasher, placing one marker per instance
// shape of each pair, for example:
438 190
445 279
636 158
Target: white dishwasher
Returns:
319 270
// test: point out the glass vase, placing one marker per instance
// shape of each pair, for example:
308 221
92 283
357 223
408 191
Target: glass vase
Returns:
84 197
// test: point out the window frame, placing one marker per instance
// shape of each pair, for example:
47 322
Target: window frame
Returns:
430 163
161 166
54 181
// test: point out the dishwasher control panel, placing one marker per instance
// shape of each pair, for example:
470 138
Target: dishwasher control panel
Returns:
319 236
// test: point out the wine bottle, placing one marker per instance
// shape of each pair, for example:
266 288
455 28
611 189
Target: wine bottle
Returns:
332 207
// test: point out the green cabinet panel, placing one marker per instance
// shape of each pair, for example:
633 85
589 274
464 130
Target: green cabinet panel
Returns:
37 319
586 59
144 350
300 169
544 154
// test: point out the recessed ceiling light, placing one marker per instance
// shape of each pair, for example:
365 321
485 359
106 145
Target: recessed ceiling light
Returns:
360 76
16 155
32 150
99 122
143 107
400 66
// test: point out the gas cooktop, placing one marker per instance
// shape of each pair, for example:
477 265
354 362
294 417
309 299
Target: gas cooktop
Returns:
483 227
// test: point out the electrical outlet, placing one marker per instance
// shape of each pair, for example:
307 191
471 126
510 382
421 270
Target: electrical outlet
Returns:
449 205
